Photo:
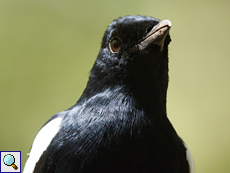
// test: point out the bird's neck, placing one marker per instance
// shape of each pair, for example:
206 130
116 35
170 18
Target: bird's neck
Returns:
149 94
146 94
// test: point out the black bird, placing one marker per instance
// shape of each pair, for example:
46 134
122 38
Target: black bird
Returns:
119 124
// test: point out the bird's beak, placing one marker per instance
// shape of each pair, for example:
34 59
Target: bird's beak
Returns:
156 36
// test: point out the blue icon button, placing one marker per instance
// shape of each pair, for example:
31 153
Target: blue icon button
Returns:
10 161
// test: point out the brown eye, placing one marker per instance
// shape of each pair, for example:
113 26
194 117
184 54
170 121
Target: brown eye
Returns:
115 45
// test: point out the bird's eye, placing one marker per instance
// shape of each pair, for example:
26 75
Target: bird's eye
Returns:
115 45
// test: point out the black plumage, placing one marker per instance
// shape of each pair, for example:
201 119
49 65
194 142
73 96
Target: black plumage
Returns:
120 124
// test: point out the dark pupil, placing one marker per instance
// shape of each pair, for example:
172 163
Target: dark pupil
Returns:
116 44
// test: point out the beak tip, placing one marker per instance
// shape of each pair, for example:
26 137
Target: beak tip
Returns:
167 22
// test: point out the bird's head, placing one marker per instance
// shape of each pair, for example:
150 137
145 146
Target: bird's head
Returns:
134 52
132 45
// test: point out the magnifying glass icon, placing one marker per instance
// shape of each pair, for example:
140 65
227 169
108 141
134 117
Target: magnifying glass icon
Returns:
9 160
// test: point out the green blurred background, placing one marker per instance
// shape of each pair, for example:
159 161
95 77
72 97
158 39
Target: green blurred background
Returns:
47 49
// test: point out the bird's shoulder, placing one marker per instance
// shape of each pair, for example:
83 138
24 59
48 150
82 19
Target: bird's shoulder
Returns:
42 141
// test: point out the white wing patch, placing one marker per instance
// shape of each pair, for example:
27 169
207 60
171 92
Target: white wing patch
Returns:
189 159
41 142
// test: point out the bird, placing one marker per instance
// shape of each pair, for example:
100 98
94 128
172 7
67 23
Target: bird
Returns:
120 123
